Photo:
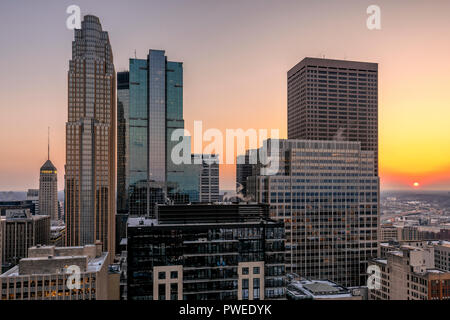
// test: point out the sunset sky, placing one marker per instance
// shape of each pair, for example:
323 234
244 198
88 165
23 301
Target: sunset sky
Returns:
236 54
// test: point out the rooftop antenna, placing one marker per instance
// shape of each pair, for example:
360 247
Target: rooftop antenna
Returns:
135 54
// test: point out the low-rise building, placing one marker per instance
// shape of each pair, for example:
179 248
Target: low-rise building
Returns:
320 290
442 255
206 252
47 274
409 274
20 231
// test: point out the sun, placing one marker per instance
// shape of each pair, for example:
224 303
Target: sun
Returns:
416 184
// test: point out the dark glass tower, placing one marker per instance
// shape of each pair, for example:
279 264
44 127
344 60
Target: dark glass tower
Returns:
150 108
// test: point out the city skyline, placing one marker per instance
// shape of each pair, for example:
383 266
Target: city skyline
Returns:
412 117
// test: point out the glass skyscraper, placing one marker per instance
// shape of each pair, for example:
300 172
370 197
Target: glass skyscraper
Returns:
150 108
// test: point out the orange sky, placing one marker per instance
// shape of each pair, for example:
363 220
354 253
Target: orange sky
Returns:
236 55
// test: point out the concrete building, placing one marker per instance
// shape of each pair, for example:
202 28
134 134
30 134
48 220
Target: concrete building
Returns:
206 252
326 193
410 274
48 191
44 275
334 100
320 290
442 255
20 231
390 232
90 195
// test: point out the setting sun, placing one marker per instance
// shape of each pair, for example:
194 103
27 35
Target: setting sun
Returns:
416 184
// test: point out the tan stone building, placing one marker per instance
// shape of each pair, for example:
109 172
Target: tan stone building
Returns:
48 190
442 255
409 274
46 275
90 139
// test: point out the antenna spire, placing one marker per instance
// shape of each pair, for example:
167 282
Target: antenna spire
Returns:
48 143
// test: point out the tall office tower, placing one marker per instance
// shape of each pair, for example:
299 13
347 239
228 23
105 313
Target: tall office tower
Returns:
48 190
90 139
326 192
33 196
334 100
150 108
123 98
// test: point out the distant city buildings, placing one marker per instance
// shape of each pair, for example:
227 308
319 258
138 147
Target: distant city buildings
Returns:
90 198
33 195
44 275
48 191
409 273
209 177
30 205
20 231
206 252
326 193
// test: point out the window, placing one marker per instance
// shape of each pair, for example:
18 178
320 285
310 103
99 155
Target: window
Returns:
162 291
174 291
174 275
255 270
161 275
256 289
245 271
245 289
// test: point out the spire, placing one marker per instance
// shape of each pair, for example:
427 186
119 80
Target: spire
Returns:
48 144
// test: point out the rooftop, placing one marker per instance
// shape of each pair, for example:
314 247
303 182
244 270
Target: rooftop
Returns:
317 289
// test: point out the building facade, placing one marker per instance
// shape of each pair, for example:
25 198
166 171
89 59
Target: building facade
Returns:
206 252
326 193
48 191
442 255
409 274
209 178
90 139
334 100
20 231
44 275
150 111
150 108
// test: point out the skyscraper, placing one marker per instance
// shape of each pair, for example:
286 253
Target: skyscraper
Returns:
150 109
326 192
90 139
334 100
48 189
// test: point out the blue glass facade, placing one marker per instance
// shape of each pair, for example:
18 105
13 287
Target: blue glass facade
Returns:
154 95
